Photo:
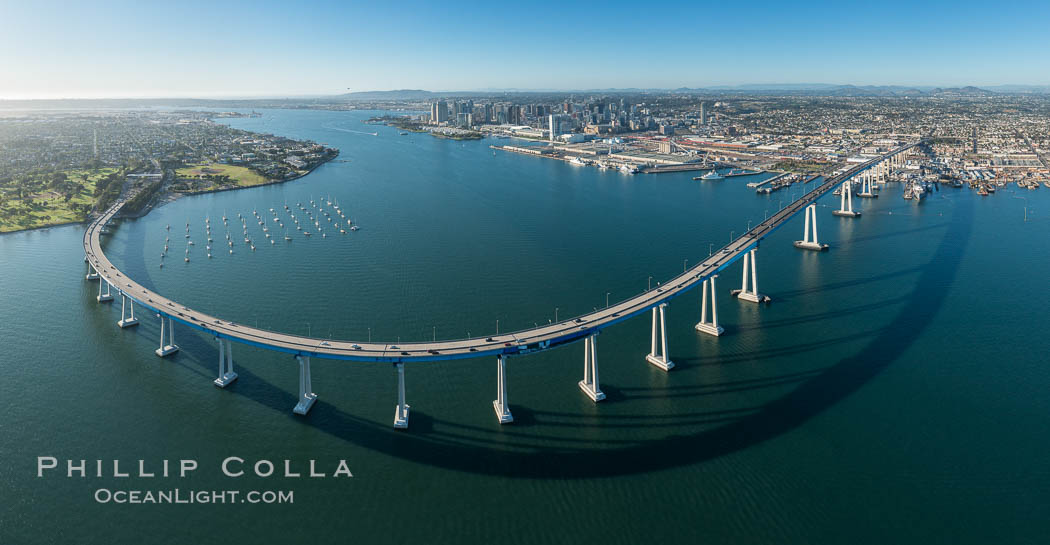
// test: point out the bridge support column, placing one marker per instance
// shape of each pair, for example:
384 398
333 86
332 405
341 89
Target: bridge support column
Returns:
92 274
401 410
809 238
226 373
170 347
846 207
750 272
104 297
589 384
125 320
867 186
660 360
500 403
307 397
703 326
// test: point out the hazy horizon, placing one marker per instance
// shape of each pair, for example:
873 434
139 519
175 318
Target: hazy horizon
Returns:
122 50
781 86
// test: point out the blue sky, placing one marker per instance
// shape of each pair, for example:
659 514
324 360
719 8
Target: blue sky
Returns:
122 49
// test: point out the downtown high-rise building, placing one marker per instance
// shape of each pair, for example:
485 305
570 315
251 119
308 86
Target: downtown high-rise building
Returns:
514 116
439 112
703 113
559 124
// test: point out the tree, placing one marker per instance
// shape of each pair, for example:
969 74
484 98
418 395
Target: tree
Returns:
56 179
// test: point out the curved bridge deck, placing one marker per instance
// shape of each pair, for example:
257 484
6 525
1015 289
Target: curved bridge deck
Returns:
519 342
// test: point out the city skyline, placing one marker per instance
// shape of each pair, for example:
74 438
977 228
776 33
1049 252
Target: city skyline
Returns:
120 50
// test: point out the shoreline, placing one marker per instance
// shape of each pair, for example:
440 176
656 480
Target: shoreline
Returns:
48 226
172 196
403 124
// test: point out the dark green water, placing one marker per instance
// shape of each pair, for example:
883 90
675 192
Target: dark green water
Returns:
895 391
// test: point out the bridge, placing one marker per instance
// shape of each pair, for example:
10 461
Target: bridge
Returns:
585 327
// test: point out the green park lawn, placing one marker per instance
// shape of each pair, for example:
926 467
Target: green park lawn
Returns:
242 176
50 207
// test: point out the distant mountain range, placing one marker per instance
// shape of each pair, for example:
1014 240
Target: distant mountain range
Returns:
781 89
819 89
398 94
803 89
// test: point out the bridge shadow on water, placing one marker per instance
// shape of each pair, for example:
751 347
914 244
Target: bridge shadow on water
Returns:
793 294
523 450
890 234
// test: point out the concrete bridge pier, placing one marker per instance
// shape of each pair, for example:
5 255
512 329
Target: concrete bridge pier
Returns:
107 296
125 320
867 189
660 360
226 373
809 238
704 326
589 384
92 274
500 403
846 206
171 347
401 410
744 293
307 397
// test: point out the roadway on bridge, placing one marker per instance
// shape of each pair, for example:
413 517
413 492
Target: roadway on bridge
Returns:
519 342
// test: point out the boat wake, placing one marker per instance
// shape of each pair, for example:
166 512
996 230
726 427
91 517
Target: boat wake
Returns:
352 131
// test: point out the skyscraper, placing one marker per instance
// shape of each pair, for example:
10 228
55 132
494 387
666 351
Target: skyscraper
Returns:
559 123
703 113
439 112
